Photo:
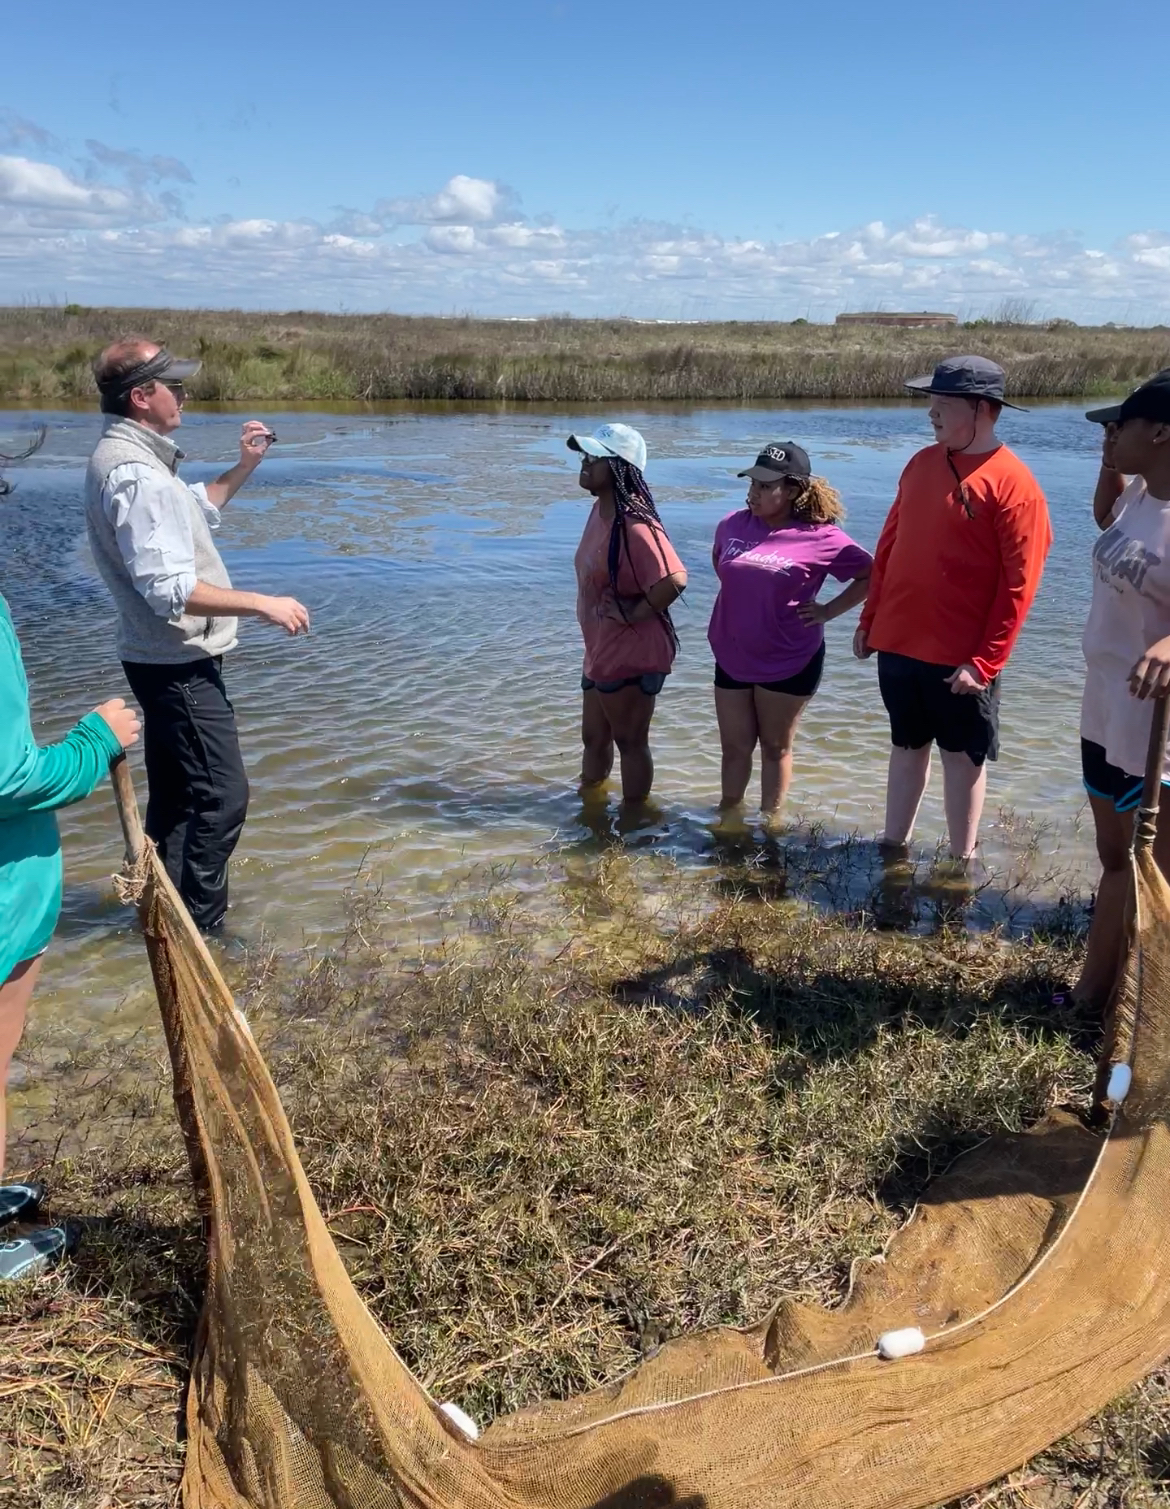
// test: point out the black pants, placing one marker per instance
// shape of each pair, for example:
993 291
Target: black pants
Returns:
195 774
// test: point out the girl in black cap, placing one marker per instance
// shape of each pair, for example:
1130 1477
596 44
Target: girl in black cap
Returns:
767 628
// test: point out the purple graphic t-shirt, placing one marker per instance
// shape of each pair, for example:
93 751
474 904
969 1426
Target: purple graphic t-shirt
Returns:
764 575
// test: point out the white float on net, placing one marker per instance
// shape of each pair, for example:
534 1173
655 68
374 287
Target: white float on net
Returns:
903 1343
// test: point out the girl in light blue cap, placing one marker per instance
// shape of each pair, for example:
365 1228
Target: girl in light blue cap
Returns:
627 577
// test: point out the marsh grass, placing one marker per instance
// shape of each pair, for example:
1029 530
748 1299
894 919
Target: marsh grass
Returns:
540 1160
45 354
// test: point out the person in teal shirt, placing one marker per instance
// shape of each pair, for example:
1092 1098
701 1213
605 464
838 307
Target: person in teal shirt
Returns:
34 782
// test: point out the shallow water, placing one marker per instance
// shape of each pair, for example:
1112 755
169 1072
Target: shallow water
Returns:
428 727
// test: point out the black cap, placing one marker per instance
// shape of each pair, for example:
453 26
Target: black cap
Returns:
1150 401
780 460
965 377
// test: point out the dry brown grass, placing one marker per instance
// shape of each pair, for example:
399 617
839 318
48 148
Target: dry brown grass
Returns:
537 1161
45 355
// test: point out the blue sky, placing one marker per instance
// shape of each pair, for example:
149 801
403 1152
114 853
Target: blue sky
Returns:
660 160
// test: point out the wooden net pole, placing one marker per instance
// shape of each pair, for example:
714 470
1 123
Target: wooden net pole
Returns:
1147 818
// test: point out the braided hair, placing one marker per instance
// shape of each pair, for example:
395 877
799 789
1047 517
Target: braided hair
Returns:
634 503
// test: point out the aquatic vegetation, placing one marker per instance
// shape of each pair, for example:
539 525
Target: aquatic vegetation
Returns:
45 351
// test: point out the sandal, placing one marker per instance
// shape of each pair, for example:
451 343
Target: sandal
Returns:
39 1250
19 1202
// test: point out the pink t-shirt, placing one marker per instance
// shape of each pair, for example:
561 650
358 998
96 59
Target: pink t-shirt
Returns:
615 650
765 574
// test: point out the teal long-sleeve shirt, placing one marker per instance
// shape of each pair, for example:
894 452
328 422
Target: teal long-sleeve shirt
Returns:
33 783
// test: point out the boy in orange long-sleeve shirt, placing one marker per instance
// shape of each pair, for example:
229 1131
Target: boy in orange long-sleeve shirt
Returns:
957 566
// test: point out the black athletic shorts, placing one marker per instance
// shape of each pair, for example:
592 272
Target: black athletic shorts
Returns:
803 684
924 710
1109 781
651 683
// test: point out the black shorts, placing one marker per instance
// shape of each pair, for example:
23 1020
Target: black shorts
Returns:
924 710
651 683
1109 781
803 684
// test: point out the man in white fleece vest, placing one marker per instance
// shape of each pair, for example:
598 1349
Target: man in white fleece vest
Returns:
177 612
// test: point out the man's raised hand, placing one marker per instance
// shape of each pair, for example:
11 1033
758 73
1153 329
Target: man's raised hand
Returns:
255 438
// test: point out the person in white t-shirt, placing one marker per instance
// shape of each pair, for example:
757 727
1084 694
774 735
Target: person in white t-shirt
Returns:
1127 655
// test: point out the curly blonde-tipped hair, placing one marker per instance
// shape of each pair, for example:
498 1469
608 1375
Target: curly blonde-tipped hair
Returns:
817 502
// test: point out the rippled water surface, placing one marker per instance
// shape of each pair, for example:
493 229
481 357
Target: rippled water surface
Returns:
428 727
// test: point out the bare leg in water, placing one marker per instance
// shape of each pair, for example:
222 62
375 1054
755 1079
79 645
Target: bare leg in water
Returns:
618 720
739 733
1103 948
905 787
15 994
756 716
596 741
964 789
777 714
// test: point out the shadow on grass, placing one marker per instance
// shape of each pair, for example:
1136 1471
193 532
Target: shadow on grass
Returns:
826 1007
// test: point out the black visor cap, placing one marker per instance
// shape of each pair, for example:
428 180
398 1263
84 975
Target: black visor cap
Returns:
1150 401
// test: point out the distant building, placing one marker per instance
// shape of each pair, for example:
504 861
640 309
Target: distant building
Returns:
923 320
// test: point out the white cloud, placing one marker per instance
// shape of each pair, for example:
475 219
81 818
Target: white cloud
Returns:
95 242
459 239
40 195
1149 249
515 233
461 200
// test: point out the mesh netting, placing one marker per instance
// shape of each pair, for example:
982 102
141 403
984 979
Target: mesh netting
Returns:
1036 1268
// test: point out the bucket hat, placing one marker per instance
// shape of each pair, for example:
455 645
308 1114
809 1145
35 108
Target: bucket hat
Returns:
966 377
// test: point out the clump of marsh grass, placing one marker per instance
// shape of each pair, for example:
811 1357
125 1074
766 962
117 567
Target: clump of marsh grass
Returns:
45 354
540 1159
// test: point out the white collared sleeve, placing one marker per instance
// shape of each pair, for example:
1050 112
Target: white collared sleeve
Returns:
153 530
210 512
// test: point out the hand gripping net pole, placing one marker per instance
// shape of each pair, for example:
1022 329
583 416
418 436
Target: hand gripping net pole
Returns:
1034 1270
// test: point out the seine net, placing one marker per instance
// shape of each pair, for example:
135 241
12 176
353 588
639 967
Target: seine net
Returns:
1035 1268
